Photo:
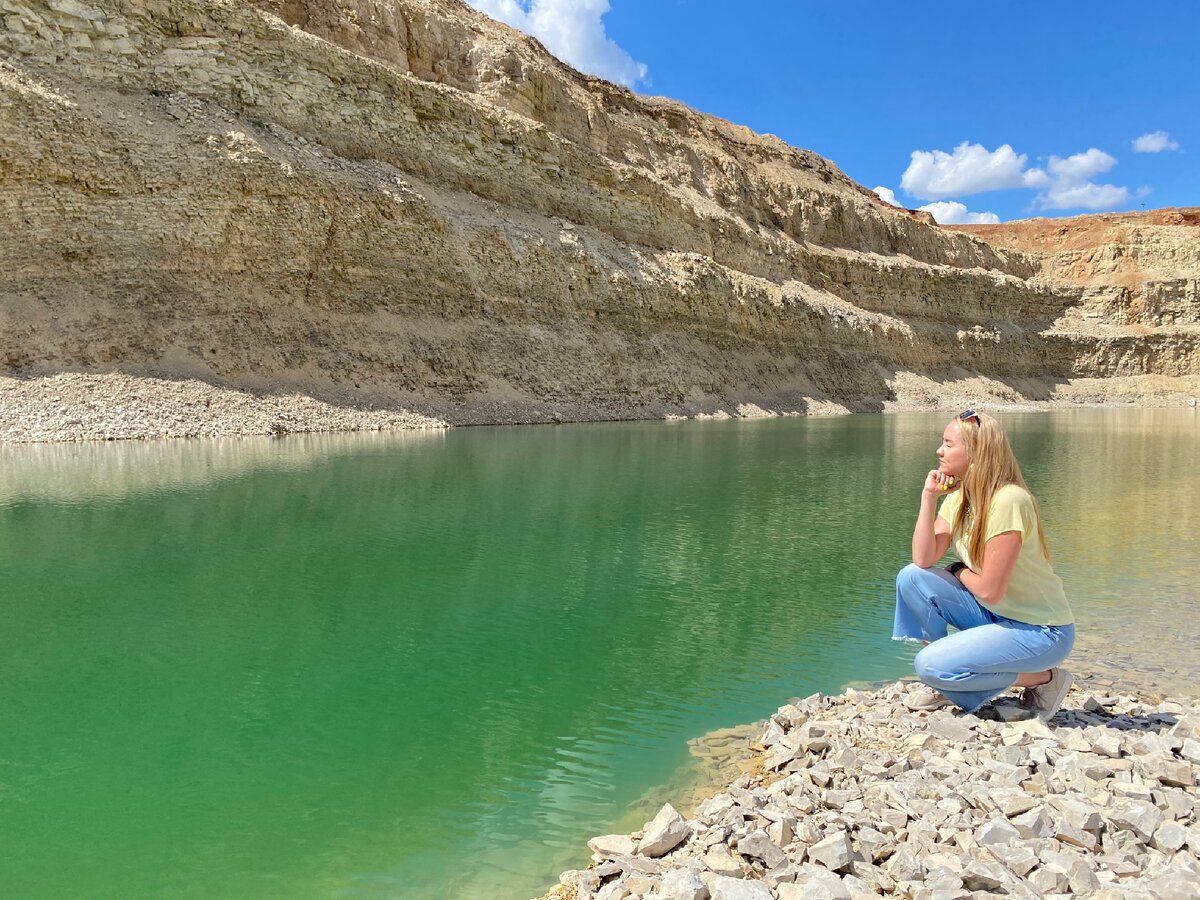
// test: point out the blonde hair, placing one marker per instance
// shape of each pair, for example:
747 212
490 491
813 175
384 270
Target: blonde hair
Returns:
993 465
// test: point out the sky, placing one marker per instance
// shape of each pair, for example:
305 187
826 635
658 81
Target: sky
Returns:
978 112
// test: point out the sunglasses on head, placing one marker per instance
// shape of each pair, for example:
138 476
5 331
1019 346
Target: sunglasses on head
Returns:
968 414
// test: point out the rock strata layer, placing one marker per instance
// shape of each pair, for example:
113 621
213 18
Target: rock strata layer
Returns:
855 797
406 204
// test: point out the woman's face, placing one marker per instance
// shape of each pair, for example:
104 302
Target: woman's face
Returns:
952 454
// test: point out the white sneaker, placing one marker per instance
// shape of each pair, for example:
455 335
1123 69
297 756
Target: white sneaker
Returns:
925 697
1046 699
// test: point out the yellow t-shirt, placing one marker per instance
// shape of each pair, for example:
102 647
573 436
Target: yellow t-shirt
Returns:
1035 594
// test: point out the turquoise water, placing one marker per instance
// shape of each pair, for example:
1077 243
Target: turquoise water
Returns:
433 665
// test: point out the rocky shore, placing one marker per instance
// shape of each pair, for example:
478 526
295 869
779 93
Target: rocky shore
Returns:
117 406
75 407
856 796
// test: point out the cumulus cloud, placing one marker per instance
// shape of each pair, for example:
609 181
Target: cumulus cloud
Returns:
1070 185
887 195
970 169
1081 166
1154 142
573 31
951 212
1082 196
1064 182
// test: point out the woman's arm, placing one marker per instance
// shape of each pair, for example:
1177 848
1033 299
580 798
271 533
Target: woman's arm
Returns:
931 535
1001 554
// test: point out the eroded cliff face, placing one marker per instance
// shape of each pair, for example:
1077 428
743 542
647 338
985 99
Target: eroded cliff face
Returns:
403 202
1128 274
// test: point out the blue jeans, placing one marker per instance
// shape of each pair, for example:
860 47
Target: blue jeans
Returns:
986 654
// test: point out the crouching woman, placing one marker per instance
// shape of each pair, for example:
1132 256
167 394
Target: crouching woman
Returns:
1013 623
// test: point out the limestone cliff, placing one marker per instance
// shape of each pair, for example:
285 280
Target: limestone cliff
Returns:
404 202
1130 284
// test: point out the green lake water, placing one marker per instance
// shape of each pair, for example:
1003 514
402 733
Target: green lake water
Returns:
432 665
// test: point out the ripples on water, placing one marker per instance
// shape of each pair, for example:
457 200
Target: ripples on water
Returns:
433 664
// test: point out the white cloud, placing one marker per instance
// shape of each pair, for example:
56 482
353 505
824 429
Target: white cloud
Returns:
1154 142
1064 183
970 169
573 31
1081 166
1082 196
951 212
1070 185
887 195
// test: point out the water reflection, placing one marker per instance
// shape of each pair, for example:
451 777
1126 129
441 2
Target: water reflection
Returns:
81 472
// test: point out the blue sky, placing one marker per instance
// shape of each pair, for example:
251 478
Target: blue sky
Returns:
979 111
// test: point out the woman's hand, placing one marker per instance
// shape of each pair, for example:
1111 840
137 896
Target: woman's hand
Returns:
938 483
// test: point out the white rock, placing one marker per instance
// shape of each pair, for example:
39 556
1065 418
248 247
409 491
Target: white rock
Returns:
996 832
759 845
1050 879
725 888
721 861
1137 816
825 886
833 853
1036 823
611 845
663 833
681 884
1168 838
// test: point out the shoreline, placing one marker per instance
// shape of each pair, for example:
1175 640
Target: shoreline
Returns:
855 796
75 407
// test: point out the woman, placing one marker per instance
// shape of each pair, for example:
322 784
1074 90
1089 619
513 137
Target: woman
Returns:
1014 625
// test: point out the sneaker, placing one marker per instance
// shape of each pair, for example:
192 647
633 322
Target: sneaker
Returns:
925 697
1046 699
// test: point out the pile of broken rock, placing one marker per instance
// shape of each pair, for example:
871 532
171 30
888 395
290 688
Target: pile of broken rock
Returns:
859 797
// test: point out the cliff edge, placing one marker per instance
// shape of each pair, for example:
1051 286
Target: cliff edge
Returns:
406 204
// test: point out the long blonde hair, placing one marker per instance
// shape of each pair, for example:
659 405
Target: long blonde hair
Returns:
993 465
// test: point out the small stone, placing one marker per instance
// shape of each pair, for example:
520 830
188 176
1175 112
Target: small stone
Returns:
833 853
1034 824
822 886
681 884
1082 879
1050 879
725 888
1169 837
874 845
663 833
772 735
1012 802
722 862
608 846
1172 885
1175 772
759 845
981 876
1190 750
950 729
1139 817
1017 857
614 890
1139 792
782 832
1069 833
996 832
904 866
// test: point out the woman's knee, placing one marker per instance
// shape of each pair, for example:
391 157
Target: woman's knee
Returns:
934 663
913 586
908 576
922 662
